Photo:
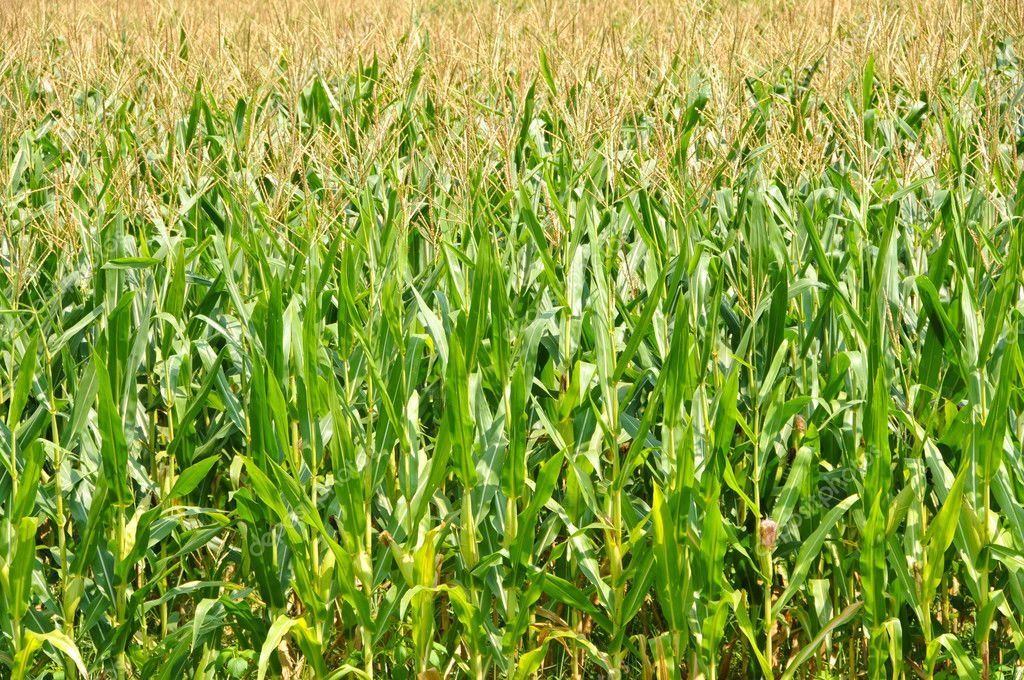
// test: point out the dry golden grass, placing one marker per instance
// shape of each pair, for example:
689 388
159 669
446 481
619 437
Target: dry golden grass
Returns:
618 55
618 52
236 46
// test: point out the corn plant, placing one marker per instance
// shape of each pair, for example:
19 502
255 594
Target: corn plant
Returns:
606 365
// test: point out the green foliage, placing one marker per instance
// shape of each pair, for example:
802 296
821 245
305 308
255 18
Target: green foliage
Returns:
585 408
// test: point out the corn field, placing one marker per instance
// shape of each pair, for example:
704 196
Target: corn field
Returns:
485 339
